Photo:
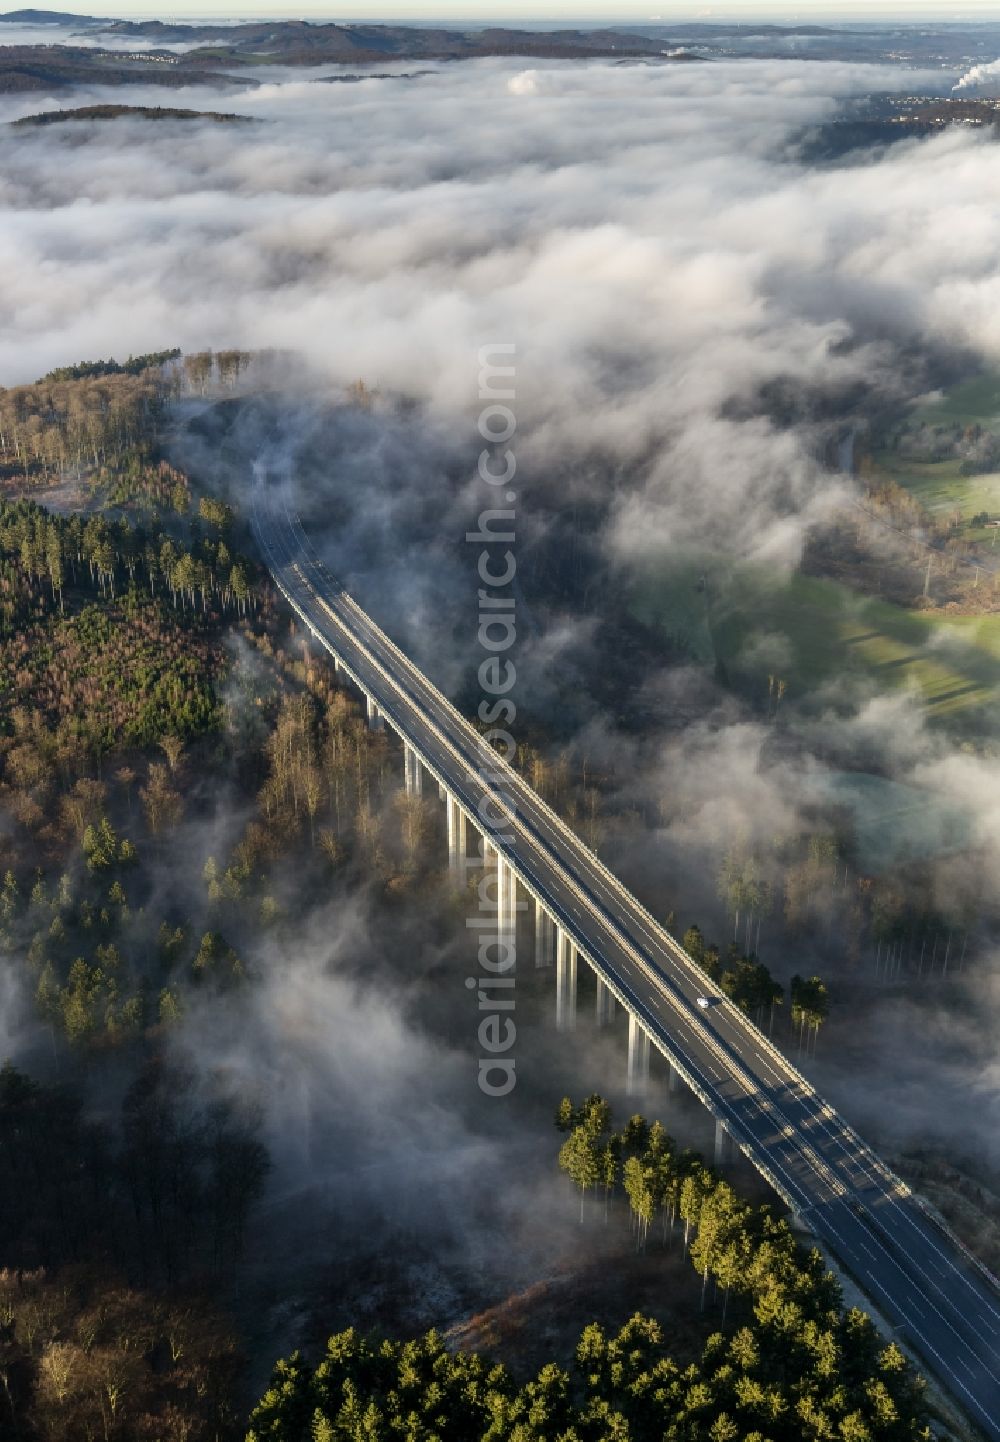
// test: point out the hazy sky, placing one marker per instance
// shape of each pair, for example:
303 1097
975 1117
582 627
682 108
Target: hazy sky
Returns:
510 11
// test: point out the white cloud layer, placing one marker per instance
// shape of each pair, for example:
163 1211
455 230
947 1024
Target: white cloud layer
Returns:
646 235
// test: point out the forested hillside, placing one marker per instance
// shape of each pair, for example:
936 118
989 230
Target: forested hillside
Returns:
168 753
787 1363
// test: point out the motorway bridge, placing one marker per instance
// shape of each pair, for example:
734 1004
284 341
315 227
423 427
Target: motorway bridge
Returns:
938 1298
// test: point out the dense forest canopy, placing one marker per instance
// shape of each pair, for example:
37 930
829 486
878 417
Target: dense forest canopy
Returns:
145 681
789 1362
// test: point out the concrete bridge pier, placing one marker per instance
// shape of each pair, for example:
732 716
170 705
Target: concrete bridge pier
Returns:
675 1081
414 774
506 903
375 722
544 936
565 982
725 1147
457 842
604 1010
637 1081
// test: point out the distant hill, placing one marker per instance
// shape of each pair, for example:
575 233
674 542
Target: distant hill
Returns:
25 68
705 30
49 17
371 75
301 42
390 37
231 48
120 112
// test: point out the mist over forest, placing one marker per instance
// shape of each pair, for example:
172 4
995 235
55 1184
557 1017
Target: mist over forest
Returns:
757 365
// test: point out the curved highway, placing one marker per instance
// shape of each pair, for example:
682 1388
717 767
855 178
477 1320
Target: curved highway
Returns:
936 1296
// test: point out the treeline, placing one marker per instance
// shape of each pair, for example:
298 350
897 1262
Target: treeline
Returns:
92 415
898 918
107 1233
92 664
108 631
135 365
99 554
621 1388
101 705
749 984
330 794
162 1194
793 1366
975 447
54 426
798 1366
202 368
86 1357
936 557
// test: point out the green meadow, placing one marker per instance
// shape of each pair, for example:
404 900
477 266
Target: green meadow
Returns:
939 486
823 639
973 402
818 636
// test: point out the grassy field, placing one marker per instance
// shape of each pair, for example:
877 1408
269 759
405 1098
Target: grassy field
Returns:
827 641
974 402
672 599
820 637
940 487
833 633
